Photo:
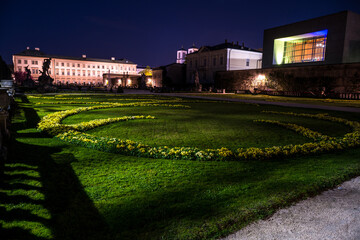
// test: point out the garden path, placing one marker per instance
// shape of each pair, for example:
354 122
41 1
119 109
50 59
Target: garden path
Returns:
284 104
334 214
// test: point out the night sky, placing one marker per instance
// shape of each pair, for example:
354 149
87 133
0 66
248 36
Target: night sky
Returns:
146 32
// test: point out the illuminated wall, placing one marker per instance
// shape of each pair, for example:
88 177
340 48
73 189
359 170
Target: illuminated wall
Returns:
309 47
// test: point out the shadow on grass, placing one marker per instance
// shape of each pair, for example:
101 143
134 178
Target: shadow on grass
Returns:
58 191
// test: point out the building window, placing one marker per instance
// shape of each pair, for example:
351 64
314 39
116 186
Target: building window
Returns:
78 65
62 64
25 61
214 62
68 64
73 64
221 60
57 64
103 67
309 47
247 62
68 73
19 69
19 61
93 66
63 73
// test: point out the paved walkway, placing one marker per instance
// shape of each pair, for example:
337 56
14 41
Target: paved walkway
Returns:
283 104
334 214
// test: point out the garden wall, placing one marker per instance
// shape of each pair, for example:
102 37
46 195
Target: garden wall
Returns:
344 78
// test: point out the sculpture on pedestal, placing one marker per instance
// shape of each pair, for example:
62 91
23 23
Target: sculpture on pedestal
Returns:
45 80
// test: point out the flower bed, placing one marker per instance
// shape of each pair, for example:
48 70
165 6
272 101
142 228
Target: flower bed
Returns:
72 134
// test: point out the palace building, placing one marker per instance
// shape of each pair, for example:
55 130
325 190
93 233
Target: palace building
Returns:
75 70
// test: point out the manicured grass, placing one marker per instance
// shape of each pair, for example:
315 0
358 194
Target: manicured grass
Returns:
260 97
54 190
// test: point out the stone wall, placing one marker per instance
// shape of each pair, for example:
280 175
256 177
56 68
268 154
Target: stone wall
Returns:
335 78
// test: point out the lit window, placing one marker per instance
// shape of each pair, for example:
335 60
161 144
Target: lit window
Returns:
309 47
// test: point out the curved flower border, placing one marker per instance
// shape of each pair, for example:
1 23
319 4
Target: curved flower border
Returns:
71 134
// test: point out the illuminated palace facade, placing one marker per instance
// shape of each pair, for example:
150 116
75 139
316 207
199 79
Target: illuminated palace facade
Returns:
331 39
75 70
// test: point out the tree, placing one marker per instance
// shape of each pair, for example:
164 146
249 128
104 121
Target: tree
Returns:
5 72
147 71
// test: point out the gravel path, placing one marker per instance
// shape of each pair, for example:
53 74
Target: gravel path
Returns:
283 104
334 214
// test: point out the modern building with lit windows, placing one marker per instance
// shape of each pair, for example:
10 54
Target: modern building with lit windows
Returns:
331 39
76 70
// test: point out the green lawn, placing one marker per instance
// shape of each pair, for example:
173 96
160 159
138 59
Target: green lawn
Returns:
55 190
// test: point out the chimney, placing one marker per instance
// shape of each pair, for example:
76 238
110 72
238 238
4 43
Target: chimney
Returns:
27 48
37 49
225 40
232 43
237 43
113 58
83 56
243 44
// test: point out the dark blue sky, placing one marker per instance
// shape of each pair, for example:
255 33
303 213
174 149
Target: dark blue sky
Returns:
146 32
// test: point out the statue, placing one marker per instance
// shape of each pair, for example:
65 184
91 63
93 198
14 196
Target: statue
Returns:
45 80
28 72
28 82
197 81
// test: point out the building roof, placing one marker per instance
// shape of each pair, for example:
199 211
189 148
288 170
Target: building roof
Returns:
193 46
38 53
225 46
346 12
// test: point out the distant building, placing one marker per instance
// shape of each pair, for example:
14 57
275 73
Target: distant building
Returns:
222 57
181 53
76 70
172 75
331 39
